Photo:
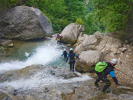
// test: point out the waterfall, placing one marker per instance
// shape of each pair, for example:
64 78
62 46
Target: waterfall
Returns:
48 54
44 54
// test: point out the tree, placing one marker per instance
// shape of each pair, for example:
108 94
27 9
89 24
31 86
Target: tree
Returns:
107 15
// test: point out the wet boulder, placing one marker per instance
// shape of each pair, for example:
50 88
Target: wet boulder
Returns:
87 60
4 96
24 23
20 73
71 32
110 47
6 43
86 42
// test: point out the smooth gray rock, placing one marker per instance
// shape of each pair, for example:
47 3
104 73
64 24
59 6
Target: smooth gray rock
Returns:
71 33
24 23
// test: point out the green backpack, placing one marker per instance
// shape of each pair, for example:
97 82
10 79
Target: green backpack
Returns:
100 66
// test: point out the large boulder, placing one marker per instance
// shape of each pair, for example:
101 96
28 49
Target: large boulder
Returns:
22 73
71 32
6 43
99 42
87 60
110 47
24 23
86 42
4 96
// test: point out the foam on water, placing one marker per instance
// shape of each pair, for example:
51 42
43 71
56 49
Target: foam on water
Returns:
38 81
43 55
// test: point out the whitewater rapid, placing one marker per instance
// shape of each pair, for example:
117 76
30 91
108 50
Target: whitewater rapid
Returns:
44 54
49 53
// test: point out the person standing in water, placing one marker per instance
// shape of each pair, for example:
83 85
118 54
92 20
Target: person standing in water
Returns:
65 55
72 59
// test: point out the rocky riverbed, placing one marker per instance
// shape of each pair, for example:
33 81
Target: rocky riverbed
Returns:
41 74
64 86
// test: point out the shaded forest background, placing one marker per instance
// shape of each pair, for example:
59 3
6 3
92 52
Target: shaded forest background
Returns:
97 15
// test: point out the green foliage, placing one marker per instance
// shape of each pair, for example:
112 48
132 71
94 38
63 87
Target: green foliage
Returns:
79 21
107 15
97 15
54 9
60 12
75 9
4 4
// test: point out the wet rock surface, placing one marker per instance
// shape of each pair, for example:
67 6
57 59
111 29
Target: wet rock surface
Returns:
74 87
71 32
22 73
109 47
6 43
4 96
81 90
88 58
24 23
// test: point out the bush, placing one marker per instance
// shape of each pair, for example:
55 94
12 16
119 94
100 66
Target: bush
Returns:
79 21
107 15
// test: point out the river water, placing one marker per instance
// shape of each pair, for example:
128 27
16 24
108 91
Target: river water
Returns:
35 52
47 53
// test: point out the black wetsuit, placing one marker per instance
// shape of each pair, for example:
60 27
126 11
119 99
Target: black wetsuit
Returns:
71 57
102 76
65 55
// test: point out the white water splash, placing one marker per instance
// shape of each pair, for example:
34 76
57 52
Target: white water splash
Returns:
38 81
43 55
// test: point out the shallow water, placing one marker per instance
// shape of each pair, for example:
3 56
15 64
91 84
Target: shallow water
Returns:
35 52
47 53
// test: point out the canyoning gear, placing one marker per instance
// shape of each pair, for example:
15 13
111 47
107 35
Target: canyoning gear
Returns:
71 58
107 85
108 69
102 75
115 80
65 55
100 66
71 49
112 74
72 65
114 61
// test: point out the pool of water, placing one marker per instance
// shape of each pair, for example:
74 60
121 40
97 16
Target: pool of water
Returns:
46 52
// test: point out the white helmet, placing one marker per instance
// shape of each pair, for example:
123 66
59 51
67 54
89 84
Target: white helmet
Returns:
71 49
114 61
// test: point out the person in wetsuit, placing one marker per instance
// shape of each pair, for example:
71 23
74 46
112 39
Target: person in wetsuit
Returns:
65 55
102 76
72 59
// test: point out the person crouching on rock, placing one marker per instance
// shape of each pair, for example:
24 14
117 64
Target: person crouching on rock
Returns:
71 58
103 69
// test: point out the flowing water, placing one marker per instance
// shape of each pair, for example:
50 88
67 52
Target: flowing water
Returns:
44 52
47 53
